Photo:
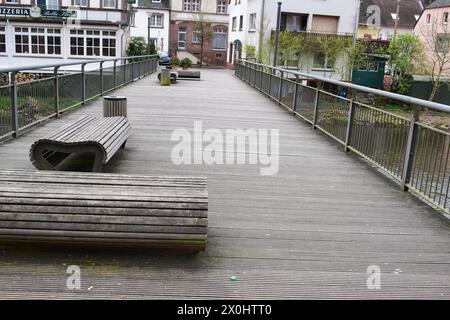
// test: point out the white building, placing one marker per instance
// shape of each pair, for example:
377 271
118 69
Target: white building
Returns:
46 31
153 16
253 22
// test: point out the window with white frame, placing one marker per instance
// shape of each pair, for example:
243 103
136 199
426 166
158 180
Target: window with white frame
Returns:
80 3
11 1
252 22
445 17
2 40
186 5
428 18
234 24
220 37
156 20
109 3
191 5
196 36
181 38
92 43
39 41
109 43
221 7
195 5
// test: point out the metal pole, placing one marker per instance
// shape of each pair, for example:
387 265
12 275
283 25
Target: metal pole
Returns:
277 35
14 111
115 73
102 85
410 149
316 104
83 83
280 88
149 19
351 116
294 102
56 91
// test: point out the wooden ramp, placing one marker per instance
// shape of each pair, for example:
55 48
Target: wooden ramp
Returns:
310 231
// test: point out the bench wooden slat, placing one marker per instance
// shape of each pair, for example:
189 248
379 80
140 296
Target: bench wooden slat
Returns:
37 208
101 136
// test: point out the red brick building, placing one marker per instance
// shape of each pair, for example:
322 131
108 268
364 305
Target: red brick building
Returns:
185 38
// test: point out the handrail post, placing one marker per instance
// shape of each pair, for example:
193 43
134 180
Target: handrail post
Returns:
410 149
348 134
294 100
316 104
269 83
115 74
280 87
83 83
102 85
124 65
56 91
14 107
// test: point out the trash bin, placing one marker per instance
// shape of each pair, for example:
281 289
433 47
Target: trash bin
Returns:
114 106
165 77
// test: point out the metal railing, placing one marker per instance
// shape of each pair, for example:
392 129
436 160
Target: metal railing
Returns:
26 103
413 153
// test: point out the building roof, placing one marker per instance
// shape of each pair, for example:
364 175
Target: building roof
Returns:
149 4
408 11
439 4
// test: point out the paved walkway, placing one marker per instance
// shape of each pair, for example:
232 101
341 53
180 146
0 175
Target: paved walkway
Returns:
310 231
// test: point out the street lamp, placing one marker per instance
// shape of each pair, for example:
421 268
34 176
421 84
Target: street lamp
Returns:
148 33
277 35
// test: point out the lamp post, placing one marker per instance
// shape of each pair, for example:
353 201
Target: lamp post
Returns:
277 35
148 33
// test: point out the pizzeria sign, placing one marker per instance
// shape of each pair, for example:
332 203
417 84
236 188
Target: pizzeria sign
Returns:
37 12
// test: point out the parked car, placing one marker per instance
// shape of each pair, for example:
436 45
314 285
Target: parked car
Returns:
164 59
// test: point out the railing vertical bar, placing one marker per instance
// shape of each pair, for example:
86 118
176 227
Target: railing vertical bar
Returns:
56 90
351 116
14 109
316 104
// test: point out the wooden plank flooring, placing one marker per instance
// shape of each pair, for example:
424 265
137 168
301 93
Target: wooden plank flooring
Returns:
310 231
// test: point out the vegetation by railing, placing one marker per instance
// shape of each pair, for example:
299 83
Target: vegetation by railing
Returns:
24 103
414 154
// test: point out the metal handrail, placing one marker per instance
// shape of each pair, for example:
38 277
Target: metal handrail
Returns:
64 64
415 155
403 98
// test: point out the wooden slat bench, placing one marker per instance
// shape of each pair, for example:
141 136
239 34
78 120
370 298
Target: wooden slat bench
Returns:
97 135
188 75
97 209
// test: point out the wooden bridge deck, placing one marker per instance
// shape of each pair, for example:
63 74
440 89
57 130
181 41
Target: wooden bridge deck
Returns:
310 231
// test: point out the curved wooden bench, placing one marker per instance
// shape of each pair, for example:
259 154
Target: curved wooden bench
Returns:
97 209
99 136
188 75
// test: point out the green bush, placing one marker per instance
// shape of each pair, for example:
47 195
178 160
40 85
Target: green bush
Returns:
136 47
186 63
175 61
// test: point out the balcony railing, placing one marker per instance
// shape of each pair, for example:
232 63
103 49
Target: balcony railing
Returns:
312 35
414 154
26 103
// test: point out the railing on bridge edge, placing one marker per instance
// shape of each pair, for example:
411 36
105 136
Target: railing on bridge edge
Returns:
414 154
24 104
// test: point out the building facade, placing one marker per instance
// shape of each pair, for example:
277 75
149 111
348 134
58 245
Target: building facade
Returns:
377 18
150 22
253 23
54 31
187 17
433 29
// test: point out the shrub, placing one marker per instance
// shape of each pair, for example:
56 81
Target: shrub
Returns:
186 63
175 61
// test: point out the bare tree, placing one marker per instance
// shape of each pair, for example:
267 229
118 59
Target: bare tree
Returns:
204 33
436 38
